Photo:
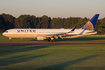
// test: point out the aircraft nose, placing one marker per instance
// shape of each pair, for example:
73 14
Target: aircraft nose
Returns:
3 33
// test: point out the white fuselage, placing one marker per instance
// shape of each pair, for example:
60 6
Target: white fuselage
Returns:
33 33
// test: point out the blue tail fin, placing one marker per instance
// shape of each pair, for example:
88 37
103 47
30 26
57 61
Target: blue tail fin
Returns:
93 20
91 23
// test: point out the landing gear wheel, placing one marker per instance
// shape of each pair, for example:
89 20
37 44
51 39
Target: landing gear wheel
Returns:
51 40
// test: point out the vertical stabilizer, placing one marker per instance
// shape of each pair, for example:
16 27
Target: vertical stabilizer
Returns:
91 23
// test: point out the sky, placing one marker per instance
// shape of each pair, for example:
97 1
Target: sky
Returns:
54 8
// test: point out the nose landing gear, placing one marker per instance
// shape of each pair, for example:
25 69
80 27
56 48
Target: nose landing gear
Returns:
10 39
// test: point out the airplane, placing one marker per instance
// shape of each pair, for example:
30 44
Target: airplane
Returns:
50 34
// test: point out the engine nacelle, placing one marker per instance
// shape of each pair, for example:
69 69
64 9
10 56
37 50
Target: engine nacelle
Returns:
40 37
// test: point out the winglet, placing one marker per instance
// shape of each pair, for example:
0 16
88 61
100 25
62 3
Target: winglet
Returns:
73 29
62 27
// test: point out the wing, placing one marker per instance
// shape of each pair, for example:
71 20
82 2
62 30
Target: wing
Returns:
60 34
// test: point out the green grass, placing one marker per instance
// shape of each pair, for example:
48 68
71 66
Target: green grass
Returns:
86 38
53 57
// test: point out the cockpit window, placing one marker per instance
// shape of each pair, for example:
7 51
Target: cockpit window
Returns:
6 31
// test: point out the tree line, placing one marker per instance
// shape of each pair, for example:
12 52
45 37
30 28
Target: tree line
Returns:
8 21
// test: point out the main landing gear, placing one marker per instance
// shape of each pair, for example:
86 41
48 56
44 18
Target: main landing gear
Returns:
51 39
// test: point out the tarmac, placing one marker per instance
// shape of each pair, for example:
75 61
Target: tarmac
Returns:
21 43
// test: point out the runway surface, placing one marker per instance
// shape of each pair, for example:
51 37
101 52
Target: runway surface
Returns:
19 43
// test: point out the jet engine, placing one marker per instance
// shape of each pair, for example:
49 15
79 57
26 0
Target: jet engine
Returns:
40 37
